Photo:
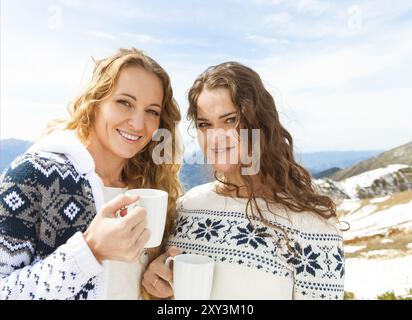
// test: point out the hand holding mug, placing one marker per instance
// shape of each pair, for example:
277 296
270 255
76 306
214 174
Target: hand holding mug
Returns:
158 276
155 203
110 238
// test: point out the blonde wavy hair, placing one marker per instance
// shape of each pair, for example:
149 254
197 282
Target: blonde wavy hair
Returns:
139 171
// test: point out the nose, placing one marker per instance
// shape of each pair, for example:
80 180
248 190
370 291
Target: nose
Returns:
217 138
137 120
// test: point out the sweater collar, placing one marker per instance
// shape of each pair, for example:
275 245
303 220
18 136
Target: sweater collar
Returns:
66 142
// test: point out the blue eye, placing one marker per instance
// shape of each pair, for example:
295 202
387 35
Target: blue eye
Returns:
202 125
124 103
231 120
153 112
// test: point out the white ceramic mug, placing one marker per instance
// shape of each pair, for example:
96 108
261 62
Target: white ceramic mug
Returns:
155 203
192 276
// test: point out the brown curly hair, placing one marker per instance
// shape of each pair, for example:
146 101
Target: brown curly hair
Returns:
288 183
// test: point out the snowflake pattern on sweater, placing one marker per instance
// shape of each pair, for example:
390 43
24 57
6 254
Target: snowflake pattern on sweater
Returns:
316 267
44 206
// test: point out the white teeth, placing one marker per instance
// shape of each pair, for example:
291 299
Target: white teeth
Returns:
221 150
128 136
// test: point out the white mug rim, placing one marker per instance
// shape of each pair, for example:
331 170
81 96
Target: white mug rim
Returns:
156 192
186 258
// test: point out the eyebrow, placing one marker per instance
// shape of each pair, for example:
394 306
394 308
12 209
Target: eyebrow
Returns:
220 117
135 99
129 95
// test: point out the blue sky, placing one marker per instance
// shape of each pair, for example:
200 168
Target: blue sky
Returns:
339 70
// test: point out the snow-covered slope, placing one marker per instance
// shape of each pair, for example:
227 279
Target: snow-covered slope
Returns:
352 186
373 219
374 183
369 278
378 245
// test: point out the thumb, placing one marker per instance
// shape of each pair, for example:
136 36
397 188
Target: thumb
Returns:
117 203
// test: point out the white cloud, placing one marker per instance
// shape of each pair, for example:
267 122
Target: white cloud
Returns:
344 96
73 3
26 120
313 7
335 87
269 2
264 41
278 20
103 35
141 38
151 39
331 68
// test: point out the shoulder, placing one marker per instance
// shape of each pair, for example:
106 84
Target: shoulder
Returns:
312 223
31 164
198 196
200 190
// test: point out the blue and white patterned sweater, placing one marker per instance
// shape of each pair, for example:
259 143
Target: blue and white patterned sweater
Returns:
48 197
252 260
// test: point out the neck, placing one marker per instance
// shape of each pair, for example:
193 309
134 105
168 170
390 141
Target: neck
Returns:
107 165
236 179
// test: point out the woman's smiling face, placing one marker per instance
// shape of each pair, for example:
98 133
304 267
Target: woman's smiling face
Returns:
217 133
125 121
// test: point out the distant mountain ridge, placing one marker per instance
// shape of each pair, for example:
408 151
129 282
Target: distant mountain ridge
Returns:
317 162
190 175
10 149
195 174
398 155
326 173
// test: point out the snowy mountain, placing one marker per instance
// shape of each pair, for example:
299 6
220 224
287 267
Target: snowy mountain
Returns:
377 206
374 183
378 245
398 155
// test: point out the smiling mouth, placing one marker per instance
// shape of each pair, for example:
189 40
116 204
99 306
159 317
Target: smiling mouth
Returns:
129 137
222 150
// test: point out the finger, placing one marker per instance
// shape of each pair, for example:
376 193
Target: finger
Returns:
142 240
161 270
136 231
109 209
135 216
149 288
173 251
150 276
161 290
157 269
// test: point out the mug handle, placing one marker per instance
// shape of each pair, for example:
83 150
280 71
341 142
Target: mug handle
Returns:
167 264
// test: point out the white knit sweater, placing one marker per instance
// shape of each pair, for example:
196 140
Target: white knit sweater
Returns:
251 265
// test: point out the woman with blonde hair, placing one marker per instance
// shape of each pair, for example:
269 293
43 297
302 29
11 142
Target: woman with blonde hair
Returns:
57 220
271 234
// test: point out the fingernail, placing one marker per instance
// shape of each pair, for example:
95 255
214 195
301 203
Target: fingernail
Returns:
123 212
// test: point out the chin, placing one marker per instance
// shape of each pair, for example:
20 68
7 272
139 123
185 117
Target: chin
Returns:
126 154
225 168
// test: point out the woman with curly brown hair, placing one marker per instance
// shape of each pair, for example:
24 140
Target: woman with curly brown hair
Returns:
271 234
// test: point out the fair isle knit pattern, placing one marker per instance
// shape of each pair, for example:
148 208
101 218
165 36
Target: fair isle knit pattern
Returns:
206 225
45 204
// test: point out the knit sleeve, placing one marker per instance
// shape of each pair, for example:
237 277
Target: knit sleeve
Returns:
318 264
60 275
